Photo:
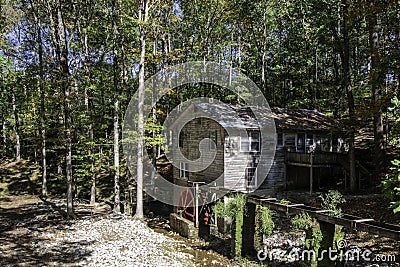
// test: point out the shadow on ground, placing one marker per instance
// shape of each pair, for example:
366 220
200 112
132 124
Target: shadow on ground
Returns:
22 221
18 177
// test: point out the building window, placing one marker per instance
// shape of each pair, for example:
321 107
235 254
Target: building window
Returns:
250 143
213 137
183 170
280 140
251 177
180 139
170 137
290 142
301 142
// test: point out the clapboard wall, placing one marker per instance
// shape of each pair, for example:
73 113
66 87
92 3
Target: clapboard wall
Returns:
192 133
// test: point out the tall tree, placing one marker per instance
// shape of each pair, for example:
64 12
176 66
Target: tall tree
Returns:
115 8
143 17
349 92
59 34
41 92
376 82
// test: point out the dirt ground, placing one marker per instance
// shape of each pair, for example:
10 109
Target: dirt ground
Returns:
23 214
23 217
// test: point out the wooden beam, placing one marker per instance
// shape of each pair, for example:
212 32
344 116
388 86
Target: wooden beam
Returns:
311 173
363 220
309 165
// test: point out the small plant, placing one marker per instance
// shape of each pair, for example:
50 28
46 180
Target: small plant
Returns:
301 221
391 185
330 202
230 209
314 236
219 209
266 224
284 202
233 209
339 235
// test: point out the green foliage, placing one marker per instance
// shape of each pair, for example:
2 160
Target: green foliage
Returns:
284 202
303 221
234 208
238 225
153 135
265 224
330 202
314 242
219 209
391 184
394 135
231 208
339 235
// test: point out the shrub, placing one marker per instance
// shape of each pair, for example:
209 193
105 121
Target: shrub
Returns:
330 202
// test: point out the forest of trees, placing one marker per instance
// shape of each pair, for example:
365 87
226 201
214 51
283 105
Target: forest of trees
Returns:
69 69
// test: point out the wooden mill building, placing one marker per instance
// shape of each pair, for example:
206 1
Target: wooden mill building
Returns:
309 149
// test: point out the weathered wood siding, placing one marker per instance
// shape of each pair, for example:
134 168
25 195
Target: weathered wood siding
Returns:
230 161
193 132
276 178
235 164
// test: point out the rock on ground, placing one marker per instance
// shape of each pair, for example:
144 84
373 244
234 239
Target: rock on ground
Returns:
110 241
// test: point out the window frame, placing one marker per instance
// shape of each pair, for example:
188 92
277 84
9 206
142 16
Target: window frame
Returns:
213 135
181 136
249 141
251 183
183 170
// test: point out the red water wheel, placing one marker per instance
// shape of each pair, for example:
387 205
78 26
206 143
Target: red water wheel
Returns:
186 204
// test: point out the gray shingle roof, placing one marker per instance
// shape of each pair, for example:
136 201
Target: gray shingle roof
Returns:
230 116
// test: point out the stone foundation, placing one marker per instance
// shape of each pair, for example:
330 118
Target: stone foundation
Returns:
183 226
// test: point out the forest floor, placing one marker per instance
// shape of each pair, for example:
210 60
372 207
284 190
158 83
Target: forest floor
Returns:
34 231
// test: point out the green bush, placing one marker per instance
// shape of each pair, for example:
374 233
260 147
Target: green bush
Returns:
391 184
284 202
301 221
330 202
266 224
314 236
230 209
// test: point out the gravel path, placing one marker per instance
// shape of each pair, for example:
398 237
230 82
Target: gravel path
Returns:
111 241
33 233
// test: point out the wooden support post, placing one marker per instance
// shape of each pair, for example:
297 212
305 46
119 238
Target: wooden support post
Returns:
236 240
248 231
326 246
311 173
196 220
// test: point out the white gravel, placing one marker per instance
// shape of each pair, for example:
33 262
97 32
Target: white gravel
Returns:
112 240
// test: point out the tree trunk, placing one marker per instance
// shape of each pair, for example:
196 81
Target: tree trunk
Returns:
42 117
88 114
143 14
116 108
349 92
62 49
42 100
16 127
4 138
376 81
